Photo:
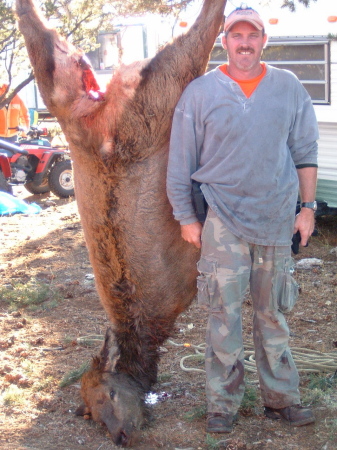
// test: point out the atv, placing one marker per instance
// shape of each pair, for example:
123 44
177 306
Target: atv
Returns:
37 165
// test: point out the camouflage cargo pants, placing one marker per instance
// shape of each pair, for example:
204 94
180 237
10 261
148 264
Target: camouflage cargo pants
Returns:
228 265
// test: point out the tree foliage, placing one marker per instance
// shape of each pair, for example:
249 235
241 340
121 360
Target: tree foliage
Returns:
291 4
10 42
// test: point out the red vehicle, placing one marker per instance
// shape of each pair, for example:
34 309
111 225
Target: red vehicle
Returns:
37 165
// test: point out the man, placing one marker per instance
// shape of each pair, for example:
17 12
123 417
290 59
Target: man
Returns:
13 115
247 132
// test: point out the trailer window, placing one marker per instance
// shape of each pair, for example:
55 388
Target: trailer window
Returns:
106 54
307 59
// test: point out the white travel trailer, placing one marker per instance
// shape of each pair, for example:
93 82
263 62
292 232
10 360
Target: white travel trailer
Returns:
305 42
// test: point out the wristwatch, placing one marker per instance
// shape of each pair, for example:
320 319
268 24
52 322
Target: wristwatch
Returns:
311 205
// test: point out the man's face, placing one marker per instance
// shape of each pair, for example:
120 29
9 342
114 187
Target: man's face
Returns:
244 44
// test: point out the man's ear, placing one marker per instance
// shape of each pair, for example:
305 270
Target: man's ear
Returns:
265 41
224 41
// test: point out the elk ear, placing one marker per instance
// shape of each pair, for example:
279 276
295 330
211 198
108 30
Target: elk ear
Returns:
109 354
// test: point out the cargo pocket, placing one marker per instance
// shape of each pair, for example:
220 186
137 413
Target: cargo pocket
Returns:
206 282
285 288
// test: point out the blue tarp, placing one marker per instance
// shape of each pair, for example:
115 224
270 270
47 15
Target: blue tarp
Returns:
12 205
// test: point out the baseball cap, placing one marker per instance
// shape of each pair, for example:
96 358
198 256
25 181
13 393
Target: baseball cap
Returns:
244 14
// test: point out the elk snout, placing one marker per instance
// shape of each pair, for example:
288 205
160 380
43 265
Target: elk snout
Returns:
123 436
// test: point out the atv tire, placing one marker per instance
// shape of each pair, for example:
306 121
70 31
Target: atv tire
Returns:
61 180
33 188
4 186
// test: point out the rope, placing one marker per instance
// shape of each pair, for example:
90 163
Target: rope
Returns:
306 360
90 338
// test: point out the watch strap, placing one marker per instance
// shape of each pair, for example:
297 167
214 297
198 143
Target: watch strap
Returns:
311 205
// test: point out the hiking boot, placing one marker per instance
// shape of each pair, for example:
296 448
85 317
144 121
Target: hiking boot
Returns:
220 423
295 415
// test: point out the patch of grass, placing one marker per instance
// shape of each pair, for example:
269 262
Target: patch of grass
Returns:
313 397
196 413
321 390
322 382
47 306
28 367
249 400
212 443
74 375
28 295
332 425
67 340
44 384
13 395
163 377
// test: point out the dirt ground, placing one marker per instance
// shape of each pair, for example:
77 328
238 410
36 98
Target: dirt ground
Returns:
41 343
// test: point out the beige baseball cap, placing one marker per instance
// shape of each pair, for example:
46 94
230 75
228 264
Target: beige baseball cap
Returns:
244 15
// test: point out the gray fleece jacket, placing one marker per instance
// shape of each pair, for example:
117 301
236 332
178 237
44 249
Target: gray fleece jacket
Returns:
244 151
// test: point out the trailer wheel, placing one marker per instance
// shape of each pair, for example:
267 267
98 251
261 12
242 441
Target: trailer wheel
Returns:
61 179
4 185
33 188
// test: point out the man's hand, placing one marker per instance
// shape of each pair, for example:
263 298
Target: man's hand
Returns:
192 233
305 220
305 224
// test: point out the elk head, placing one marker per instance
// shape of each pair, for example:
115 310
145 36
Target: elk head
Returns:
112 398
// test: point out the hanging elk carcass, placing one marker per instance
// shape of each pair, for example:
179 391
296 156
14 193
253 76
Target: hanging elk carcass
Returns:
145 273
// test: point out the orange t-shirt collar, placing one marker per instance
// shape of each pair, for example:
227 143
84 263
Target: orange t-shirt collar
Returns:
247 86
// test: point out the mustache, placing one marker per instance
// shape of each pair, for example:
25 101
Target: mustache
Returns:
245 49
